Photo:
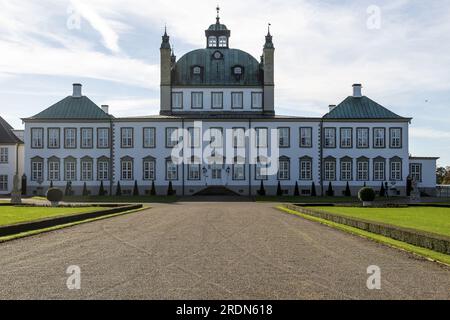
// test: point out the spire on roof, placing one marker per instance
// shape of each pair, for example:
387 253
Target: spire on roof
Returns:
269 43
165 39
218 15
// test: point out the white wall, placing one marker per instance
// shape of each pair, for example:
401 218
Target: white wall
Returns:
15 164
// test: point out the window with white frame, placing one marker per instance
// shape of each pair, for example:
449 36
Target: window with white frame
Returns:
70 170
37 138
217 100
284 169
127 137
416 172
257 100
238 172
330 170
53 138
216 171
87 137
194 139
305 137
177 100
363 170
87 170
284 137
103 170
171 137
3 183
197 100
216 137
305 169
379 170
346 170
212 42
70 138
346 138
37 169
149 137
223 42
330 137
362 138
396 171
103 138
194 172
260 169
171 171
238 138
395 137
262 137
379 137
150 170
237 100
197 70
126 170
53 171
4 155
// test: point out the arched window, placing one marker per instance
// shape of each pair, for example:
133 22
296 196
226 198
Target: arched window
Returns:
223 42
212 42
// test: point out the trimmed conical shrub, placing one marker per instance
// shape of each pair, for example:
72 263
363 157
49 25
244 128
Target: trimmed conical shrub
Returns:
313 190
297 190
118 189
153 190
330 191
262 190
382 190
170 191
102 191
136 189
85 190
348 192
279 190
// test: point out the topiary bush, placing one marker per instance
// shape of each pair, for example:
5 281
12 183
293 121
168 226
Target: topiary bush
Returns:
55 195
367 195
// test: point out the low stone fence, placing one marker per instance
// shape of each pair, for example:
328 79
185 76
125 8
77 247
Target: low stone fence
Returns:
418 238
53 222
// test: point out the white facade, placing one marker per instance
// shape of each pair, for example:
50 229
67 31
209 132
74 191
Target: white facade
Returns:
11 163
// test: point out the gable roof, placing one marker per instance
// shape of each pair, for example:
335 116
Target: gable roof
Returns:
73 108
361 108
7 135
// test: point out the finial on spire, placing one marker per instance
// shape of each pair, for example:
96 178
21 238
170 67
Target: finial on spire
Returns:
165 39
269 43
268 28
218 14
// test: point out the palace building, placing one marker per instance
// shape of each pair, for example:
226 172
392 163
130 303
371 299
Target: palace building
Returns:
358 143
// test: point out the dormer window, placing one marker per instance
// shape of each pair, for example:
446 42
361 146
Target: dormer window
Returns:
212 42
237 71
197 70
223 42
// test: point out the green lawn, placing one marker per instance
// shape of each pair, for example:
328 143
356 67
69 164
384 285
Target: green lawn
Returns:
292 199
435 220
122 199
13 215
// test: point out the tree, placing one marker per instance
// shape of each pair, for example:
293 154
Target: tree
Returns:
348 192
118 190
68 190
153 190
313 190
297 190
443 175
279 190
102 191
170 191
382 191
136 189
85 190
262 190
330 191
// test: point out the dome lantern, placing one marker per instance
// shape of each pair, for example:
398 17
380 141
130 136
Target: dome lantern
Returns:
217 35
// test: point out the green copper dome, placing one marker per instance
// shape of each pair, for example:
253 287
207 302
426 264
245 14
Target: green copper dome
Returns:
217 27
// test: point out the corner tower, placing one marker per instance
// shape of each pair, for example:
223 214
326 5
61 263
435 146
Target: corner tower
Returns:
166 71
269 74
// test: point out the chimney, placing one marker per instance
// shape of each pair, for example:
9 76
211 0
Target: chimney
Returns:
105 108
77 90
357 90
332 107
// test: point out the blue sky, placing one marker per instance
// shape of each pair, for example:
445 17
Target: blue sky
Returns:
399 52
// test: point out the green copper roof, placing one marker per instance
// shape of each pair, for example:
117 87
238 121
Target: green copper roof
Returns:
217 71
73 108
361 108
7 135
217 27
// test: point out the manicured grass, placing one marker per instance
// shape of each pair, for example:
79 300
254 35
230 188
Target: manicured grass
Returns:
12 215
292 199
435 220
426 253
122 199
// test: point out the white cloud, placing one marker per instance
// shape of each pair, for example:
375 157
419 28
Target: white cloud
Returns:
429 133
132 106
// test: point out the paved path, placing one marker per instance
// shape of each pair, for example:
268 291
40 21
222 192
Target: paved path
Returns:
212 251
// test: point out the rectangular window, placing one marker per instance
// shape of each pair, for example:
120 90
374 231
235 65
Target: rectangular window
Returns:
87 138
37 138
262 137
53 138
238 172
330 137
194 172
237 100
257 100
363 171
216 137
149 138
3 183
86 171
171 171
284 137
194 139
305 170
127 170
362 138
416 172
379 137
127 137
171 137
216 172
259 174
217 100
284 170
346 138
330 171
346 171
197 100
103 138
53 171
396 171
70 171
37 171
4 155
379 170
70 138
177 100
238 138
395 138
103 170
149 170
305 137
